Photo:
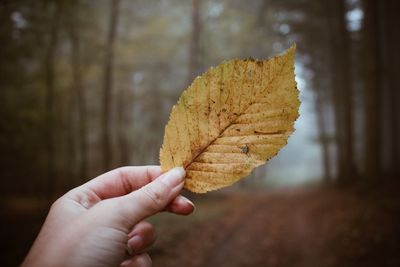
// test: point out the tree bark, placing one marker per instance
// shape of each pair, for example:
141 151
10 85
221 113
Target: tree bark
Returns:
49 76
323 136
343 92
108 85
123 141
348 169
372 87
392 55
71 162
79 96
195 48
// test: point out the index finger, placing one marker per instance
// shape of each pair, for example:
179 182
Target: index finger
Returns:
122 181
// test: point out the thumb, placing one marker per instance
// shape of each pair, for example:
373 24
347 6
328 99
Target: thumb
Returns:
151 198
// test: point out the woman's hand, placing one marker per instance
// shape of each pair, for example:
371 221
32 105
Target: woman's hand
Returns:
96 223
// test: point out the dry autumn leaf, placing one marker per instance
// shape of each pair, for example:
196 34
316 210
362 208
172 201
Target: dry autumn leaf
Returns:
230 120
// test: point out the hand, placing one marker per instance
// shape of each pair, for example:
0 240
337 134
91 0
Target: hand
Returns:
92 224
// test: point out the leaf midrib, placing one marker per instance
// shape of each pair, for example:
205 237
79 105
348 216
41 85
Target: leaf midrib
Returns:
231 123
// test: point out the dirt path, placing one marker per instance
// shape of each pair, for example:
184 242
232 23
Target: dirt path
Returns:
325 227
321 227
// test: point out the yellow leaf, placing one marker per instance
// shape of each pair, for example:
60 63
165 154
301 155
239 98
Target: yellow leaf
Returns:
230 120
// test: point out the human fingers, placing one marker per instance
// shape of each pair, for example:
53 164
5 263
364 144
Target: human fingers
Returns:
141 237
114 183
123 180
148 200
181 206
139 260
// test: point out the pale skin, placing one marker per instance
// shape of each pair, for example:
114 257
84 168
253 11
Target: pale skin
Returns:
96 223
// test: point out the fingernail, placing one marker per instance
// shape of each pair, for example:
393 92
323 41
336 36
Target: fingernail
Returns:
135 243
174 177
184 200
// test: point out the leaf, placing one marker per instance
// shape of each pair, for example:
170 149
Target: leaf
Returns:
230 120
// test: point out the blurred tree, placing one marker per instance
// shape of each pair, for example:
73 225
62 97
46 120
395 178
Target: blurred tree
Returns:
123 138
390 72
393 41
195 48
108 85
21 111
342 89
372 87
323 136
49 67
322 87
79 97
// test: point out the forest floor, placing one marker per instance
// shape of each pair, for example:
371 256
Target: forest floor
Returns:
303 227
311 226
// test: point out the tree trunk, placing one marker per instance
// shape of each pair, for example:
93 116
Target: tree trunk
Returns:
372 87
79 96
395 86
108 86
123 141
69 167
49 76
323 136
392 56
348 169
342 89
195 49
